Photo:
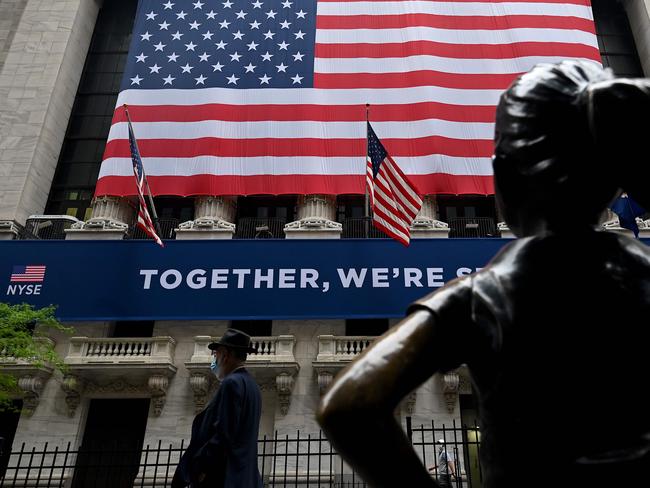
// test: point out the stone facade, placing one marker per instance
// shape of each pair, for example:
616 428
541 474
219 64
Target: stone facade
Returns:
42 50
59 417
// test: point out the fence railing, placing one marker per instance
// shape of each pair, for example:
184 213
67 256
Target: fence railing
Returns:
167 230
360 228
472 227
47 226
260 228
287 461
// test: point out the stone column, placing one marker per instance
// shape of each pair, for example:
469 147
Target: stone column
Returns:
110 219
213 219
316 219
638 14
8 230
40 69
426 224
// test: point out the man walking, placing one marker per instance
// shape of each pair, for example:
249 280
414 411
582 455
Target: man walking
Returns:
446 468
223 450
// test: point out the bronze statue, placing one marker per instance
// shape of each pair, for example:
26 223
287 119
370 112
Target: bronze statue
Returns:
554 330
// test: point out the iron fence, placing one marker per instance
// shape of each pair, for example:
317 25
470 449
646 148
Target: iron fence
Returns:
360 228
287 461
472 227
167 230
260 228
462 444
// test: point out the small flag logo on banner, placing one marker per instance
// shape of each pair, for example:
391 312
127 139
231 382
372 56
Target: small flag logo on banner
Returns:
30 273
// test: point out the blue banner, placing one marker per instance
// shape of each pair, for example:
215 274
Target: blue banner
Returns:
239 279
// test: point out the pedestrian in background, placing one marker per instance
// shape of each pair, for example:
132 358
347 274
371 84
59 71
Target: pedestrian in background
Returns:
446 467
223 450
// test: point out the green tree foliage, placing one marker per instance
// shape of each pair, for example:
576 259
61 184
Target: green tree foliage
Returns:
23 332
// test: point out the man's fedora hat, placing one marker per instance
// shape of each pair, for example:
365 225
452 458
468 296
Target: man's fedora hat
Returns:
234 339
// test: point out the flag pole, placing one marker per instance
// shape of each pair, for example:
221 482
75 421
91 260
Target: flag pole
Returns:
366 205
144 175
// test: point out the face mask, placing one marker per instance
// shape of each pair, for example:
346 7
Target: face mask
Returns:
214 366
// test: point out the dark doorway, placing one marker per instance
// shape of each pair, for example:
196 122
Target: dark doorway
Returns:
365 327
109 455
8 424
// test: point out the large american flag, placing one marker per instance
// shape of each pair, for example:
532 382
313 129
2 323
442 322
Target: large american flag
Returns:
268 96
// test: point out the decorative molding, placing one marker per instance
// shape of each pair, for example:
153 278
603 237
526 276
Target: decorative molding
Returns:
73 386
216 208
314 223
208 224
324 379
8 230
614 225
504 230
316 214
450 384
409 402
200 383
425 223
31 386
108 214
158 385
284 384
116 386
213 219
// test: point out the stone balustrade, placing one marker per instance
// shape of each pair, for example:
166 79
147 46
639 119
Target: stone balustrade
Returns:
107 365
273 366
84 350
334 353
341 349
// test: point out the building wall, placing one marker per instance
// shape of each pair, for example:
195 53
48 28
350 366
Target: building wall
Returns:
52 423
638 13
42 54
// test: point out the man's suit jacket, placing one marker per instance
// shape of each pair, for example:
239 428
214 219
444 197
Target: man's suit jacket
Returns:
224 438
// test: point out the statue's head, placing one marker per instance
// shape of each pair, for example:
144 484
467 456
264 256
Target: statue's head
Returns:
565 145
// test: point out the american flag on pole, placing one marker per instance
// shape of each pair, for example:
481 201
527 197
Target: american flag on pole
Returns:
268 96
144 219
394 200
31 273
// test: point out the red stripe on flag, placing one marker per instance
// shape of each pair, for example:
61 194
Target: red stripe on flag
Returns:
279 185
323 113
413 79
460 51
188 148
457 22
586 3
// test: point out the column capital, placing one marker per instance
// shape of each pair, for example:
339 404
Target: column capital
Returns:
110 220
316 214
213 219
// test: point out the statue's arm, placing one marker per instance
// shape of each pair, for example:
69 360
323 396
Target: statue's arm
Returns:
358 411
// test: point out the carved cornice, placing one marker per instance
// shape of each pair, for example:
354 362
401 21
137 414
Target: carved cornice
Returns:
409 402
100 224
73 386
426 223
158 385
313 224
202 385
31 386
450 388
207 224
284 384
324 379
